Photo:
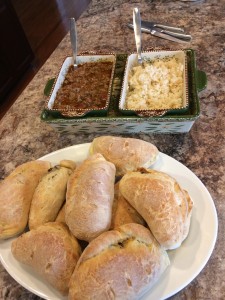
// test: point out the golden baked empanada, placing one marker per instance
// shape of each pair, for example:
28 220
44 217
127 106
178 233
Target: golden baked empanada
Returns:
49 196
162 203
119 264
127 154
51 250
16 192
123 212
89 198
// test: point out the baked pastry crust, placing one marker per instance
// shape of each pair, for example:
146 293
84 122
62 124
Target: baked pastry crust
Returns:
119 264
163 204
127 154
51 250
123 212
16 192
89 198
61 215
49 196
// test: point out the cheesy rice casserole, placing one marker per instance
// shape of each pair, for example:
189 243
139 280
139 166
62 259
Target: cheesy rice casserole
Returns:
156 84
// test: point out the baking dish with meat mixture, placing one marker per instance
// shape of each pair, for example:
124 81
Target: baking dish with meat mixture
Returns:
85 89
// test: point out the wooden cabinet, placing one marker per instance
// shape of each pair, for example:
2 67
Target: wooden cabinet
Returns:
15 52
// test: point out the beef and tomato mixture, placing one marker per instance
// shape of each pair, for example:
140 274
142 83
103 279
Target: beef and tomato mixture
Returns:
85 87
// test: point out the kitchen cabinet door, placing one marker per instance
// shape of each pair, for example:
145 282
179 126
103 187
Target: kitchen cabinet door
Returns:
15 52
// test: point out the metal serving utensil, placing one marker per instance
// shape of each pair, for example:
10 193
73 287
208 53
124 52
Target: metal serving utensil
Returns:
161 26
73 39
173 31
137 32
165 34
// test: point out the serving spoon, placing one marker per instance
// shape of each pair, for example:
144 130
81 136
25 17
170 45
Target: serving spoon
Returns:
137 32
73 40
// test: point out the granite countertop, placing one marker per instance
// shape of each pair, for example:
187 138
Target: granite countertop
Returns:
23 136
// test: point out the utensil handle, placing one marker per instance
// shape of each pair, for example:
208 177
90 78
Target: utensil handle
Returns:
73 38
137 31
182 36
167 27
49 86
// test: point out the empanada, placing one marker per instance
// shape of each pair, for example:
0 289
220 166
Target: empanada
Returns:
127 154
16 192
49 196
119 264
123 212
163 204
89 198
51 250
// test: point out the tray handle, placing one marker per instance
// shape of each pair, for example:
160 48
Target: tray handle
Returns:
48 87
201 80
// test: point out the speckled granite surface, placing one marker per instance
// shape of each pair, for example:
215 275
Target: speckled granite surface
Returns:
24 137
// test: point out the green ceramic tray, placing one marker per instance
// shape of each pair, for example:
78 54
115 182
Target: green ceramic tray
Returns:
197 81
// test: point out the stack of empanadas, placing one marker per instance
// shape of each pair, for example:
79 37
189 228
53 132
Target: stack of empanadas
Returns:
99 230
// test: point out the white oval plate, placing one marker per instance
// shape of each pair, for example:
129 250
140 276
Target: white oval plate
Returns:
186 262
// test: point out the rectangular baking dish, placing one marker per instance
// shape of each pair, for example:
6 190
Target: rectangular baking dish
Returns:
73 111
156 65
